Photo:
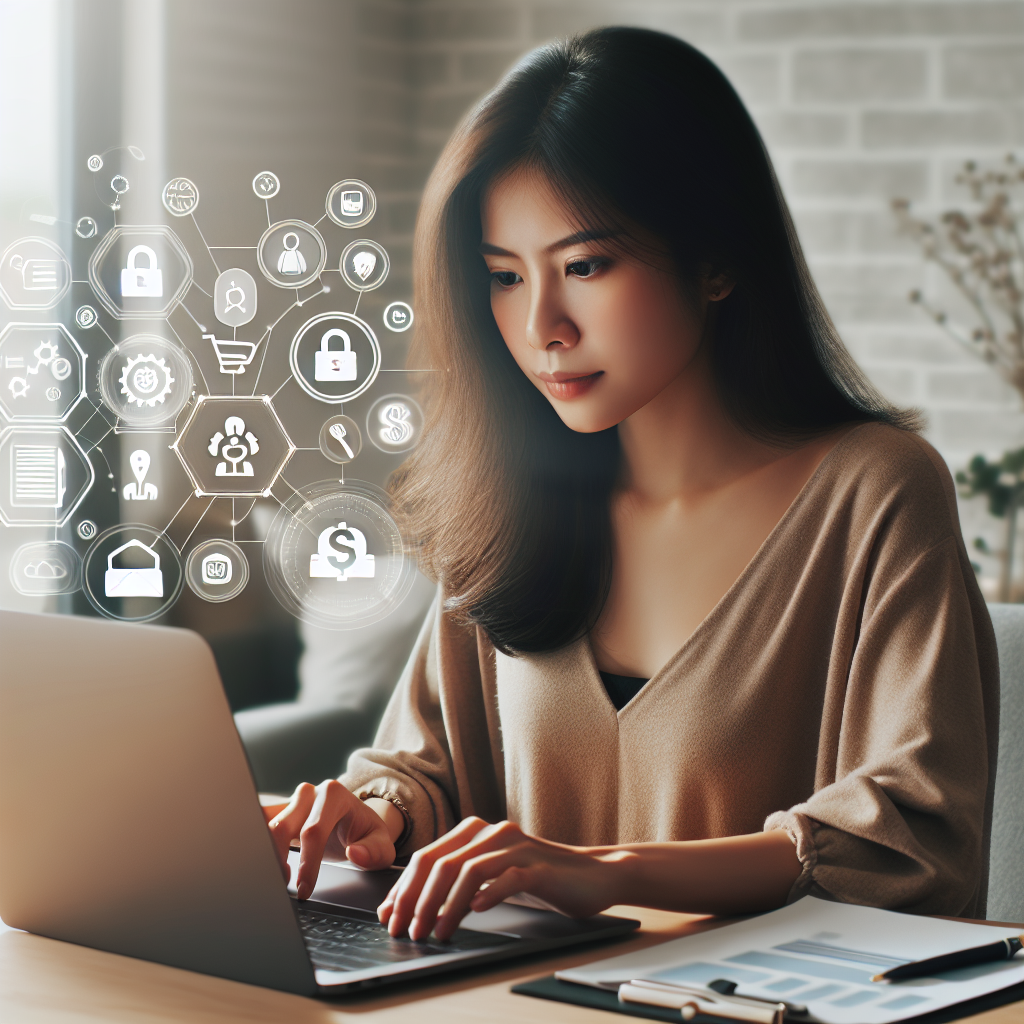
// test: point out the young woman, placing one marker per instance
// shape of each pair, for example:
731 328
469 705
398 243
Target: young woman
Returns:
707 637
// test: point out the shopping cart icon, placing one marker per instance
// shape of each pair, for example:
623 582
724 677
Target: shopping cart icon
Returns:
233 356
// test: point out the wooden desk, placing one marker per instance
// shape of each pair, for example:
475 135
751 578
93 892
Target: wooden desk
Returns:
47 982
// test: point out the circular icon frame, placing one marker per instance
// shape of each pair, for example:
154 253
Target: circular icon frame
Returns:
341 446
317 593
375 430
393 307
368 204
123 580
375 276
300 280
266 175
168 197
308 386
70 565
169 381
203 570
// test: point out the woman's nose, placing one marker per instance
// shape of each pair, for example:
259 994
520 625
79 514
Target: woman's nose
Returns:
549 325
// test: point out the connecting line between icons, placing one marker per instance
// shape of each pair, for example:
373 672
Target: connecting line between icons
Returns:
194 320
253 247
285 381
96 409
212 260
176 514
104 330
238 522
267 201
263 358
194 361
98 442
305 501
359 295
312 533
198 521
194 284
322 216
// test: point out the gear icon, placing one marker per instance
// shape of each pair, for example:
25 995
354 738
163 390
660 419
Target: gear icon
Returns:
51 351
146 380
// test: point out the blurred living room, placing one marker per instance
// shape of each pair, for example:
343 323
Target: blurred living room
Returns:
207 218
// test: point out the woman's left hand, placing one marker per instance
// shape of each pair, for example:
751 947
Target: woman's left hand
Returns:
451 871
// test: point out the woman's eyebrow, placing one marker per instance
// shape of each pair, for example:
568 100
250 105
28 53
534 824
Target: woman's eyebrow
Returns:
594 235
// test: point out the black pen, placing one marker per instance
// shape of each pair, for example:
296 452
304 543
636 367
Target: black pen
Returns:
1004 949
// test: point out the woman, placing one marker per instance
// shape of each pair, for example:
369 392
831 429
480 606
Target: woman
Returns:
707 637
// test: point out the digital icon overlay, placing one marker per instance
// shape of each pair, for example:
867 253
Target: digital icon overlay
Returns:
86 227
398 316
351 203
291 254
233 446
146 381
180 197
46 568
44 475
132 572
340 439
335 357
266 185
364 265
216 570
140 271
140 489
334 556
234 297
34 274
42 373
394 423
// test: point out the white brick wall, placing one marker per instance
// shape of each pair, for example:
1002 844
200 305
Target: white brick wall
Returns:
859 102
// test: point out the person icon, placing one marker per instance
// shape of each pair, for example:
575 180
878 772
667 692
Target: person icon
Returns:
291 261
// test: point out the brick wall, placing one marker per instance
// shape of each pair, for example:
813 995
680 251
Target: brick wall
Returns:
859 102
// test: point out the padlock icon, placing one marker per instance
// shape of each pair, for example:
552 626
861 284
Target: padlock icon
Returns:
339 364
142 282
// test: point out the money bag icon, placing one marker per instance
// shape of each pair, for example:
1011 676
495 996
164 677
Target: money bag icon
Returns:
341 555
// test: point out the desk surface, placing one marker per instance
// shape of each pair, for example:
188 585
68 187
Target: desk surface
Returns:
42 980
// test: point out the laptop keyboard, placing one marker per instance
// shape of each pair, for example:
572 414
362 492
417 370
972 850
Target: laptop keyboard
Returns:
347 944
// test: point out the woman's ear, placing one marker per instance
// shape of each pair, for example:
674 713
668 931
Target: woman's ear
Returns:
718 287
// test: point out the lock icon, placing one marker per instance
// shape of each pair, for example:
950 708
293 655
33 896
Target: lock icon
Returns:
142 282
339 364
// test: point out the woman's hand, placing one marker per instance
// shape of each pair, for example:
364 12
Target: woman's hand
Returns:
314 813
452 870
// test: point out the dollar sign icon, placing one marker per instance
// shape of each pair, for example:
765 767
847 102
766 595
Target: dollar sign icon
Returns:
396 427
343 542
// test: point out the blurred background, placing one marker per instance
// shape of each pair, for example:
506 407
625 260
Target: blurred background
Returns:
861 103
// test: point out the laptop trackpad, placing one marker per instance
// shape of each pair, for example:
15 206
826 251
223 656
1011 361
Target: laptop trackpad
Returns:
345 885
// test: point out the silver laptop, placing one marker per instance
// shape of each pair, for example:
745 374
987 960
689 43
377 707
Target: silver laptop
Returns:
130 823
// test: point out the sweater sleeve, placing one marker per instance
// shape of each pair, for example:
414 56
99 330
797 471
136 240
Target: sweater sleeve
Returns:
436 755
899 819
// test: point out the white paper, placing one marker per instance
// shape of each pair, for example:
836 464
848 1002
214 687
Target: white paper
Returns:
822 955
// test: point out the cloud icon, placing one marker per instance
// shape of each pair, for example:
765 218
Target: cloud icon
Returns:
43 570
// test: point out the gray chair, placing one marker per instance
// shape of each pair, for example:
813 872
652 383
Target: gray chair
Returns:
1006 863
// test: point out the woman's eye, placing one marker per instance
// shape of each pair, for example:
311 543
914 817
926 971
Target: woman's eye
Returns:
505 278
584 268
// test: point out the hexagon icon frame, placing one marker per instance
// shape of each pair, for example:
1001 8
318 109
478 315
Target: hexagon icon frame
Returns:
59 292
108 242
16 417
11 432
204 402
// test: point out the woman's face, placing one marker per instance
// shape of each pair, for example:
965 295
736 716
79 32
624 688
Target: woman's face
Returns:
599 334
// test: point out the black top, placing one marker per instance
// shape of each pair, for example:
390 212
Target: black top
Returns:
621 689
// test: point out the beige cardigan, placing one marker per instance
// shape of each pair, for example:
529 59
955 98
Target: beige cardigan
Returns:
845 689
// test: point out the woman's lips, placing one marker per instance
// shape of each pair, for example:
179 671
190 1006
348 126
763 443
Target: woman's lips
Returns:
568 385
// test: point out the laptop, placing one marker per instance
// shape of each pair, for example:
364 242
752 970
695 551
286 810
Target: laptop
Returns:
131 824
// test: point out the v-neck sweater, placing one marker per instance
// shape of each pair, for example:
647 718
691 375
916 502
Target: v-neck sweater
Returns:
845 689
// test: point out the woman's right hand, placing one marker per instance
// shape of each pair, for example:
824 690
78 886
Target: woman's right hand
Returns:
313 814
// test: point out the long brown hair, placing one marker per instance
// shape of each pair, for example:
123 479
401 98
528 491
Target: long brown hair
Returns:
507 505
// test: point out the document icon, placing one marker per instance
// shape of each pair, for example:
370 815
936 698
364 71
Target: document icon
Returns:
133 582
38 476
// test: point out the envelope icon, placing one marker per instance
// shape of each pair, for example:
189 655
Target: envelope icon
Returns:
133 582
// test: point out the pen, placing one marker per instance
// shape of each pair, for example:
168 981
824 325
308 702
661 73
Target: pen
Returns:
692 1000
1004 949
